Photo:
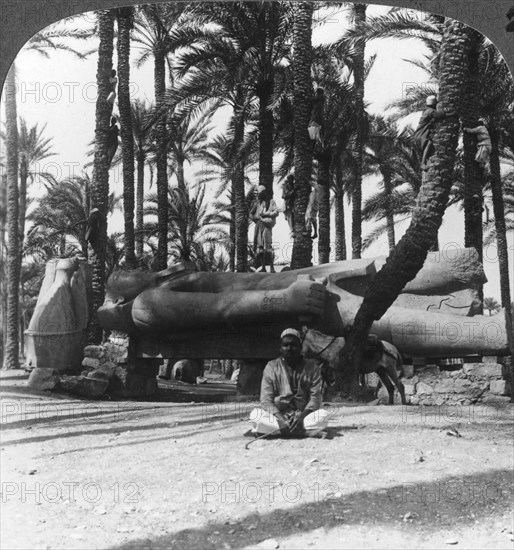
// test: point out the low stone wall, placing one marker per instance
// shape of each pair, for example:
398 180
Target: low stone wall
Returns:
473 383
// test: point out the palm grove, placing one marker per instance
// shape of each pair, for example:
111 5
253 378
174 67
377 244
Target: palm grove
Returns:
257 61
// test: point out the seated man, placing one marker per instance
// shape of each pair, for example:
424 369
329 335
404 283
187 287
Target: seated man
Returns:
290 393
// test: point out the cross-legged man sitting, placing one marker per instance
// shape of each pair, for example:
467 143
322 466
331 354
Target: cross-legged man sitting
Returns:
290 393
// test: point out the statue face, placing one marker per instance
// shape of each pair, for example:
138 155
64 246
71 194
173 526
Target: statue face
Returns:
290 349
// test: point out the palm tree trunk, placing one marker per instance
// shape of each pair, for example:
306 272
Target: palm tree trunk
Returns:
388 189
232 244
13 266
266 122
360 47
501 240
24 174
140 192
238 191
473 173
181 182
302 59
100 190
409 255
324 210
125 22
161 259
340 240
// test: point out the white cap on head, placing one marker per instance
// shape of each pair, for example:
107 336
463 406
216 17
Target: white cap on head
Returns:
261 188
290 332
431 100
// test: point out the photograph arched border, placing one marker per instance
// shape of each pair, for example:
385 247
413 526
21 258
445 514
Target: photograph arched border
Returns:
22 19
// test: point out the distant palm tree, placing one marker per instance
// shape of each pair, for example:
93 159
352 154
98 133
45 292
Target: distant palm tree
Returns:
491 305
154 24
53 37
142 130
125 18
58 222
193 226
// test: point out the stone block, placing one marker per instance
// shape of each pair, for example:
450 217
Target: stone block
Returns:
428 373
495 399
424 389
410 389
136 379
462 385
87 387
445 385
43 379
498 387
94 352
408 371
483 371
91 362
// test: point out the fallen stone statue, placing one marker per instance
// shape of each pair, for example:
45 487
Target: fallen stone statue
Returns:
186 314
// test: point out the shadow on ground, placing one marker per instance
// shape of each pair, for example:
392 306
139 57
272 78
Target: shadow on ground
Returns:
471 498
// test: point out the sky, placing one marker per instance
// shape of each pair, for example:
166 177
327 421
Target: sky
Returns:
61 93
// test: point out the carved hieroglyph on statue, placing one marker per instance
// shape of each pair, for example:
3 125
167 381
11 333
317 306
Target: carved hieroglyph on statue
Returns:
182 313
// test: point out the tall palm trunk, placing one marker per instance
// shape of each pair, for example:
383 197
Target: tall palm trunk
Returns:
360 47
125 22
238 191
473 173
324 209
161 259
501 240
340 238
140 192
388 190
266 122
100 191
302 59
13 266
410 253
181 181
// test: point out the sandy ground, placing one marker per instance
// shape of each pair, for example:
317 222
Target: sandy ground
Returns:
83 474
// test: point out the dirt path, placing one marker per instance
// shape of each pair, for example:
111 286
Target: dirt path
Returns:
81 474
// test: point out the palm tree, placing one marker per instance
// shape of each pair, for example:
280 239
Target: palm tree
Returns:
11 359
154 23
302 59
187 137
219 70
49 38
491 305
409 254
142 132
59 221
125 17
339 127
359 75
100 191
193 226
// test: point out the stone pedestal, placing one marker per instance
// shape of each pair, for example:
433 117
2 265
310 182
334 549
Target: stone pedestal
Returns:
137 378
